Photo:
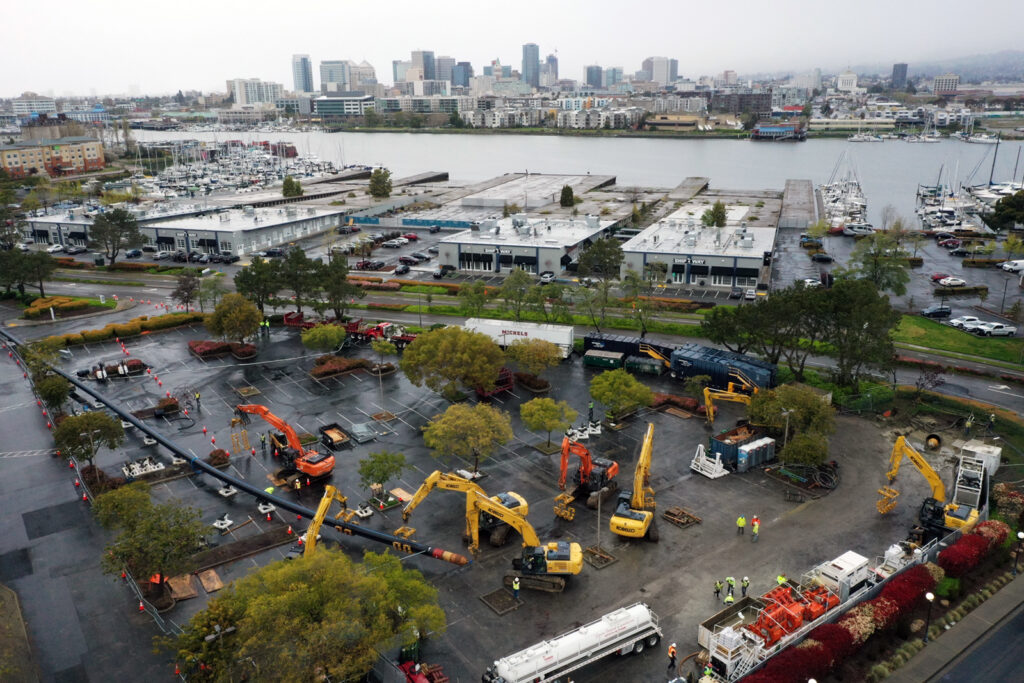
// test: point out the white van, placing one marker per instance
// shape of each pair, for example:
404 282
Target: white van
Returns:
1013 266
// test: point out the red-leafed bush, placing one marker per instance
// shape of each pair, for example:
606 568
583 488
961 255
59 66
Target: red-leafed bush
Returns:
333 365
964 555
217 457
135 364
885 612
837 641
684 402
860 622
1009 500
242 350
209 348
907 589
993 530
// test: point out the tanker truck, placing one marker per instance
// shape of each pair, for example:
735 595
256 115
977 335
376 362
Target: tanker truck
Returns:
626 630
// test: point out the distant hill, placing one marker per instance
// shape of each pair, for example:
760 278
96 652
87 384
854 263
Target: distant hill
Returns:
1004 65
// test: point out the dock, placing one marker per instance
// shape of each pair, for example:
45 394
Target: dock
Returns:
798 205
689 188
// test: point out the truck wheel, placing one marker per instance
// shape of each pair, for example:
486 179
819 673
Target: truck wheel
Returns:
652 640
673 374
638 646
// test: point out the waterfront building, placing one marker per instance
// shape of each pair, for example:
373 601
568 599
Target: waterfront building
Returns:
461 73
29 103
55 157
444 67
254 91
899 76
424 61
434 104
249 114
95 114
593 75
531 65
343 104
504 117
302 73
759 103
946 84
299 103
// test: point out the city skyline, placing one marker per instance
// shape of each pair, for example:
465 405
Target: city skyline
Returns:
260 42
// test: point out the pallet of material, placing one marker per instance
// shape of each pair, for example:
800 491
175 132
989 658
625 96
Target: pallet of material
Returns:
680 517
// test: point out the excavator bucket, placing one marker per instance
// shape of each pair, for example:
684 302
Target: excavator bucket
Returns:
888 500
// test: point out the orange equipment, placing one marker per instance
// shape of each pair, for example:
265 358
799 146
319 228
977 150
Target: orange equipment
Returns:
310 463
594 478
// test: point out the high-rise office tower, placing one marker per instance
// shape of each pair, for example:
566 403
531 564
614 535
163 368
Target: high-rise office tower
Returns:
461 73
335 75
531 65
443 66
899 76
302 73
552 64
424 61
592 75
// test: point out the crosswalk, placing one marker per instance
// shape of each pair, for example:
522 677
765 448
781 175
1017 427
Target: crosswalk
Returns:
28 454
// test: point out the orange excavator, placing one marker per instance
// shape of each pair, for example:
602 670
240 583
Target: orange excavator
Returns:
594 478
298 460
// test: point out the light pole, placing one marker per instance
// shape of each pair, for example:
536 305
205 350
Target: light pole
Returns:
930 597
1020 544
785 435
1002 303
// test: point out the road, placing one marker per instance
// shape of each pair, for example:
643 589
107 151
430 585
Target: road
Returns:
996 658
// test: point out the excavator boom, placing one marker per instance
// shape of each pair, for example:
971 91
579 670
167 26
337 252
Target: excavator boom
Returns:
275 422
311 463
712 395
903 449
643 494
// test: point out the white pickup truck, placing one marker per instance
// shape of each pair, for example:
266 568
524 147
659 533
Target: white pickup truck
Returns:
995 330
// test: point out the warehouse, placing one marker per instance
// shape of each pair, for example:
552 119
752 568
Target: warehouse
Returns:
532 244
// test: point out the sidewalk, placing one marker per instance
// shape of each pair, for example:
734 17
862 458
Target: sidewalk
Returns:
943 652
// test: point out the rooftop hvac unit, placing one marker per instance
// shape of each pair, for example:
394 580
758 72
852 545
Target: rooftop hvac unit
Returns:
654 238
593 222
249 210
224 217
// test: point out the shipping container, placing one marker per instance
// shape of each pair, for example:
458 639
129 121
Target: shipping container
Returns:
627 345
727 444
644 365
603 359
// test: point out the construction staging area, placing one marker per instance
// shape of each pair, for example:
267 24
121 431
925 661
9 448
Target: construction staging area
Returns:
674 576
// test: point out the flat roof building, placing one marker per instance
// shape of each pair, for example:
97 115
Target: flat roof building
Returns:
55 157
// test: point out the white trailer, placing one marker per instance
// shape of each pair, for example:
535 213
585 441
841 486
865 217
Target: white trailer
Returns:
627 629
504 332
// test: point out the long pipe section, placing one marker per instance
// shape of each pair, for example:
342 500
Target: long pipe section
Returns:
400 544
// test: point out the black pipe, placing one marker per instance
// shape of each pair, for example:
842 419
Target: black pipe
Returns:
400 544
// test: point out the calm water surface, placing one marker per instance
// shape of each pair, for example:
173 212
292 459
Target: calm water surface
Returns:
889 171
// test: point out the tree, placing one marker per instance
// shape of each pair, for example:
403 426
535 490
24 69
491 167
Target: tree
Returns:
300 274
534 355
259 281
818 229
728 326
878 258
620 392
602 259
37 266
444 358
383 347
54 391
455 121
335 288
345 612
324 337
81 436
123 506
114 230
634 287
547 415
809 448
473 298
379 468
749 120
291 187
40 356
715 216
567 199
380 183
235 317
809 308
515 290
858 325
594 302
211 290
1013 246
466 431
187 288
807 411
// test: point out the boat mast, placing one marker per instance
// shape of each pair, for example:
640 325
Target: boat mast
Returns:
994 155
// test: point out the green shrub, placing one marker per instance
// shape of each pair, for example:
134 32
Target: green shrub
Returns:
32 313
948 587
131 265
92 336
79 305
126 329
878 672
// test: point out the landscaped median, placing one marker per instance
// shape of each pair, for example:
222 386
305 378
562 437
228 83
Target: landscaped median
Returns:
913 329
134 327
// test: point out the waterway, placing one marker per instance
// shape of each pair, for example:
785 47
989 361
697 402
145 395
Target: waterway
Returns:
889 171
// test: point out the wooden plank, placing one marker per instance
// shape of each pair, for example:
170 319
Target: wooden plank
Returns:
211 582
182 587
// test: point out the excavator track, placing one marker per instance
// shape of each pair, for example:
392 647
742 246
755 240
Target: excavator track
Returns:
537 582
603 494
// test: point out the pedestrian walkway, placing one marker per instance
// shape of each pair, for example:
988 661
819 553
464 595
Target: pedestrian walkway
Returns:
944 652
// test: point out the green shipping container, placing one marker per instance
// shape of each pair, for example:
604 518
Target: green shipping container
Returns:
603 359
643 365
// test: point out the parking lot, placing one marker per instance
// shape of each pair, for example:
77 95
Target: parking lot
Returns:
673 576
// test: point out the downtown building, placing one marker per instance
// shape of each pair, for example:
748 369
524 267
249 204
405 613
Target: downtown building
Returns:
531 65
302 73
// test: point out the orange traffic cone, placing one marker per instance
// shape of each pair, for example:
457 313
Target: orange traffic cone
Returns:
290 530
204 430
213 440
85 498
71 463
254 452
49 425
307 481
77 483
142 608
300 540
268 517
177 670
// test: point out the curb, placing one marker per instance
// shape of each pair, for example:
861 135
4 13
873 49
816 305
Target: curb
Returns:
121 306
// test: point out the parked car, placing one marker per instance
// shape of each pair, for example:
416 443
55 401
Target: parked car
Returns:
411 236
434 228
547 277
133 253
179 257
952 282
944 236
378 265
995 329
228 256
216 258
939 276
150 250
21 246
402 269
959 251
365 264
75 249
972 325
964 319
810 282
54 248
1012 266
194 257
822 257
407 261
950 242
275 252
750 294
392 244
736 293
937 311
205 258
161 255
401 241
343 229
433 250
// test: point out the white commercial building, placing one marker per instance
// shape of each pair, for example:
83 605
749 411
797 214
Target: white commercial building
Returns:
31 103
254 91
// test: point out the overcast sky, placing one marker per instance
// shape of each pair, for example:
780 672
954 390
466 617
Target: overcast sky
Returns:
116 46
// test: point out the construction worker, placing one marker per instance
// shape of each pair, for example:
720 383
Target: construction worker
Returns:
968 425
741 522
755 529
707 670
743 585
732 584
263 444
672 657
729 599
197 400
515 588
781 579
718 589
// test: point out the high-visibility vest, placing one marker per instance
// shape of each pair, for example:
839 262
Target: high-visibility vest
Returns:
741 522
745 583
781 579
515 583
729 599
757 527
672 652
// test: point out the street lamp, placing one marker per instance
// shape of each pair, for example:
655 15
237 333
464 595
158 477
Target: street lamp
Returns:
1020 544
930 597
785 435
188 247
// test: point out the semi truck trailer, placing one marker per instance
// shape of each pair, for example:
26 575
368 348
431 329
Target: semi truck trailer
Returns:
504 332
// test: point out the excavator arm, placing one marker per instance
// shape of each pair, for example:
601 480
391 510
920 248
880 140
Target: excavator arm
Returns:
331 494
438 479
712 395
477 503
273 421
570 447
643 494
903 449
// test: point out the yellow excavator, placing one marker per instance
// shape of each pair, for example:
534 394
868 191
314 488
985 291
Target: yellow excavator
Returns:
712 395
634 516
936 515
542 566
497 529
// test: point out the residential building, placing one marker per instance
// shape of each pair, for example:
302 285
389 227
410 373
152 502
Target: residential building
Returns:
399 70
788 95
810 80
531 65
435 104
846 82
899 76
96 114
30 103
759 103
424 61
481 85
593 75
729 77
461 73
426 88
248 114
692 105
55 156
948 117
296 104
502 118
254 91
599 118
302 73
444 66
578 102
946 84
343 104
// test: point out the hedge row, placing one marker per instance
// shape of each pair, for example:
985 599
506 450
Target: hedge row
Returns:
68 262
132 265
65 304
326 366
970 549
132 328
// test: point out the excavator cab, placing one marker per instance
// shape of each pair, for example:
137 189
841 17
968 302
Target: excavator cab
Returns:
601 475
554 557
